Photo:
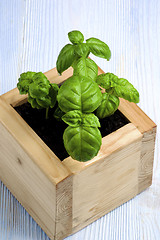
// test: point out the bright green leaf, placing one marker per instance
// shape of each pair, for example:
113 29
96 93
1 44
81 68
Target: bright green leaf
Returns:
24 81
124 89
108 106
73 118
82 143
82 50
86 67
99 48
33 102
76 118
90 120
75 37
38 89
44 102
104 80
65 58
79 93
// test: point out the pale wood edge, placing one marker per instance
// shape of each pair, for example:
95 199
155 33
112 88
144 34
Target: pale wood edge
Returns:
146 160
18 172
110 144
51 166
135 115
64 194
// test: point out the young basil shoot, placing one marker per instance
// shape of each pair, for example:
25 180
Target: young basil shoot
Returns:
41 93
114 88
80 96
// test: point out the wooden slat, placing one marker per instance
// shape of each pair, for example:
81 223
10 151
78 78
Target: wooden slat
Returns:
54 76
47 161
14 98
136 116
27 182
147 158
64 205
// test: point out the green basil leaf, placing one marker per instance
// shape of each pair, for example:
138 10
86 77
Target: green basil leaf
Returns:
90 120
104 80
124 89
65 58
40 86
82 143
40 77
58 114
33 102
79 93
99 48
73 118
39 89
44 102
77 118
24 81
76 37
86 67
108 106
82 50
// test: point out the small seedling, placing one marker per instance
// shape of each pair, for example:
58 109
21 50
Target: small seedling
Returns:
41 93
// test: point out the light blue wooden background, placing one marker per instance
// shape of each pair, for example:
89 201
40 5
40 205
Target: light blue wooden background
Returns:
32 32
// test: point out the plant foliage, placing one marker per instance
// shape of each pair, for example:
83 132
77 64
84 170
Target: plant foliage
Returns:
80 100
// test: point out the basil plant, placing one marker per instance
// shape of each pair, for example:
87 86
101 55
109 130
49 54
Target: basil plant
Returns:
41 93
81 102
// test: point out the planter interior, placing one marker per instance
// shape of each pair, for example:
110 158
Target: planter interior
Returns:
63 197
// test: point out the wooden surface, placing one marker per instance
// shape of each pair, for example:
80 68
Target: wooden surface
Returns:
32 34
109 179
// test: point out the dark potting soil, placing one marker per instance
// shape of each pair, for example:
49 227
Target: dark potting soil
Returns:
51 131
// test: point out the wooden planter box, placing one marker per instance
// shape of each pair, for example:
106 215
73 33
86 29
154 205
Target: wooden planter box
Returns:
64 197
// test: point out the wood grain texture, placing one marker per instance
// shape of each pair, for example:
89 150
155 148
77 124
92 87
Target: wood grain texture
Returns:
109 179
32 144
131 29
64 207
32 189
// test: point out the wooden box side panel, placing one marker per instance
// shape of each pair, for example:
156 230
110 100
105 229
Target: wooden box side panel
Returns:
41 155
108 182
64 206
27 183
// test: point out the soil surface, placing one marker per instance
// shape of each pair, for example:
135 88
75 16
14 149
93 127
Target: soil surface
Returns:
51 131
